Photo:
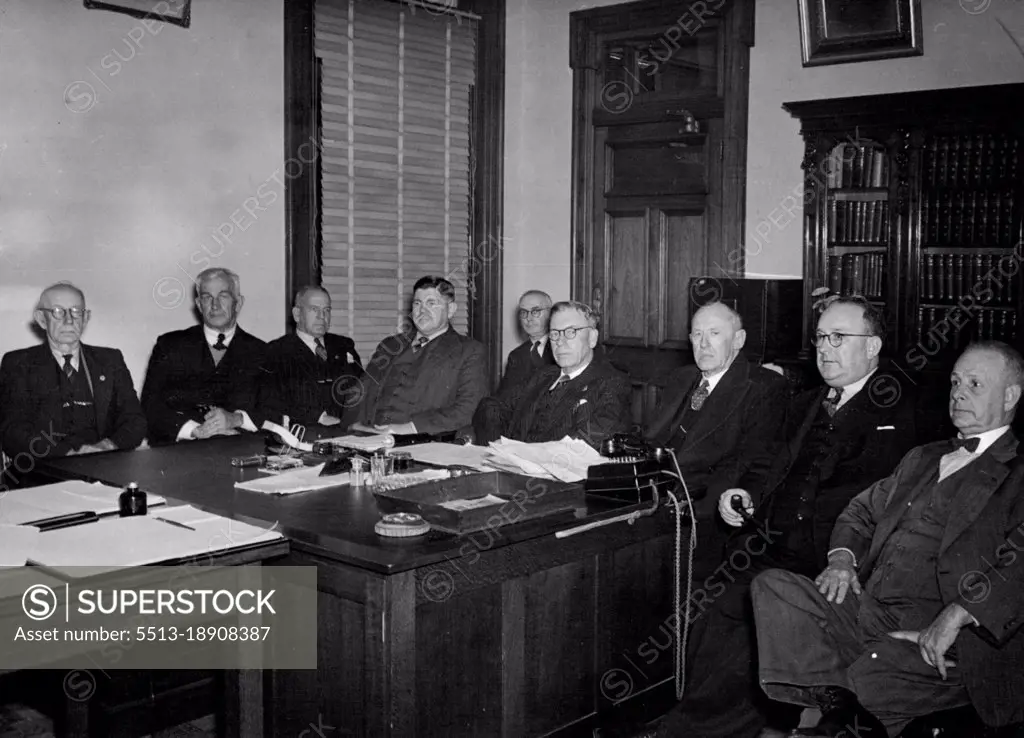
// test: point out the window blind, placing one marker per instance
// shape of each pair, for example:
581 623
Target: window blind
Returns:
395 198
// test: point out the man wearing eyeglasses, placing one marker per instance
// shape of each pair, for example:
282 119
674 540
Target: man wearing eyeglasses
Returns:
204 381
836 441
583 396
534 312
64 397
429 378
313 375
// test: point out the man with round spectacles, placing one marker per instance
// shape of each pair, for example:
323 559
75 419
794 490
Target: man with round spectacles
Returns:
583 396
534 311
64 397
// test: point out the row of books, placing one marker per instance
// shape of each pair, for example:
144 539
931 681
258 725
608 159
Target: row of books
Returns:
972 218
952 276
857 165
978 160
857 274
858 222
953 329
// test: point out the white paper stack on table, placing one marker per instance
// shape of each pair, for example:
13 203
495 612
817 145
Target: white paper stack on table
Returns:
368 444
451 454
566 460
289 482
163 535
26 506
17 544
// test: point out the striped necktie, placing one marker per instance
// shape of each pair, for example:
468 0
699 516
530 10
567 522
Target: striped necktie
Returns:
69 368
321 352
699 397
831 403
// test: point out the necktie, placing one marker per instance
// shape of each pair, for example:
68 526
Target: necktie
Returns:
420 343
971 444
69 370
321 352
700 395
831 403
536 348
563 379
220 345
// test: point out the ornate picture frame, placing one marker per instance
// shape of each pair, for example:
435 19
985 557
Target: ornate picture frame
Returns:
177 12
843 31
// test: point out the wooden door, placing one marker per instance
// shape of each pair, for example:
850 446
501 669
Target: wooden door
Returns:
659 165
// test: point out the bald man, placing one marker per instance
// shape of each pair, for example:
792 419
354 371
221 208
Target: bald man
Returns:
63 397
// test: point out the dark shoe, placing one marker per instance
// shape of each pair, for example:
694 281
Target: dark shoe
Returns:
842 716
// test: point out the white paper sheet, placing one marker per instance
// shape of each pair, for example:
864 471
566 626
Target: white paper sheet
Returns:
451 454
566 460
23 506
305 479
17 544
369 444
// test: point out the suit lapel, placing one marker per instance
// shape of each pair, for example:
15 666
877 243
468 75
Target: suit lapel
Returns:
729 394
96 374
672 408
987 473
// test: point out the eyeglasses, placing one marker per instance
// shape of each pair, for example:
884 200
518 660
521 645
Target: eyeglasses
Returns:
319 311
568 333
835 338
532 313
58 313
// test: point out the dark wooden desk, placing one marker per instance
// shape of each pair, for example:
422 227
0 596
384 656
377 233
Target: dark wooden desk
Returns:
510 632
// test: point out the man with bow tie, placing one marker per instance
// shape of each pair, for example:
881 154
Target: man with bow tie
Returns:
64 397
920 607
313 375
835 441
204 381
534 312
428 379
582 396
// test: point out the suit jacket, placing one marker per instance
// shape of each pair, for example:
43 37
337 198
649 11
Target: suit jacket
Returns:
182 377
980 564
874 432
30 400
731 432
448 389
522 364
591 407
302 386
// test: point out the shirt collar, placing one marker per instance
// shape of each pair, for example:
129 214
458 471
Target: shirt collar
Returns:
714 379
850 391
211 335
987 438
578 371
543 341
308 339
75 360
419 335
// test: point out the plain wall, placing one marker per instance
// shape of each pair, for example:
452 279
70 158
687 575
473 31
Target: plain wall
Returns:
960 48
124 148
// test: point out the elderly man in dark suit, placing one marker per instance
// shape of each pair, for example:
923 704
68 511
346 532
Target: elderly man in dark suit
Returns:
583 396
204 381
313 375
63 397
426 380
524 360
836 441
920 606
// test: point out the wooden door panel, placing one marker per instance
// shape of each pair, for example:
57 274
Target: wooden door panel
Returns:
685 255
626 247
657 169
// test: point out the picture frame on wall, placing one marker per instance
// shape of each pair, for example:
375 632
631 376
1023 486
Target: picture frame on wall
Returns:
177 12
844 31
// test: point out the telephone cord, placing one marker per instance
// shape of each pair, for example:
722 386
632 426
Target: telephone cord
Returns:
679 657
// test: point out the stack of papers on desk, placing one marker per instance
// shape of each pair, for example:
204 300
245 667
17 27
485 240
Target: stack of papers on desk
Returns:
451 454
27 506
305 479
565 461
165 535
369 444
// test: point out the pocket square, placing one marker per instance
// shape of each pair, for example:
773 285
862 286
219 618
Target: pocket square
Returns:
886 427
103 378
582 402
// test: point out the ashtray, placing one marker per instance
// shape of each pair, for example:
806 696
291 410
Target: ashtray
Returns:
401 525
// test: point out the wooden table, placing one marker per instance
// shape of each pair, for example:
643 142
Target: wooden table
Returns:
512 632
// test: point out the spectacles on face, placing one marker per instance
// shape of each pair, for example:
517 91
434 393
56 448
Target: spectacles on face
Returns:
532 313
835 338
58 313
567 333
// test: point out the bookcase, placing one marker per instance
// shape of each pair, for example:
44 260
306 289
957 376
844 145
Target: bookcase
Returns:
913 201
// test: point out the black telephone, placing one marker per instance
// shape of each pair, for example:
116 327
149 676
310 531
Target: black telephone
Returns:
636 464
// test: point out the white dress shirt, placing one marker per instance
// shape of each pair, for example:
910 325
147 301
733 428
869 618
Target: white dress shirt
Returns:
571 375
185 432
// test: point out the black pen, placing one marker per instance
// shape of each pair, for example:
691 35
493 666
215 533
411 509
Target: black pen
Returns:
176 524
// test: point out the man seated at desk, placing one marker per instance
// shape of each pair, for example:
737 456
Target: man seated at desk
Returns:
63 397
204 381
583 396
426 380
524 360
313 376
